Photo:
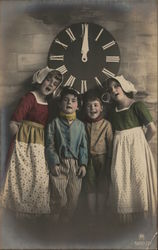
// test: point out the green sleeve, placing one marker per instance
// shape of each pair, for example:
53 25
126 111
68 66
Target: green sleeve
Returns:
143 113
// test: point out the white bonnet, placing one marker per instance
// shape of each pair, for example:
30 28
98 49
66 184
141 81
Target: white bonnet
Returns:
41 74
126 85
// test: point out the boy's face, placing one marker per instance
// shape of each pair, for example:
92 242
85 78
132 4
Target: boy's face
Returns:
94 109
69 104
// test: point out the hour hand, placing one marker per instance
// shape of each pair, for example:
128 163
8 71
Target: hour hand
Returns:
85 45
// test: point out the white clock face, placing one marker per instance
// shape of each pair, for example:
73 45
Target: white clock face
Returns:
86 54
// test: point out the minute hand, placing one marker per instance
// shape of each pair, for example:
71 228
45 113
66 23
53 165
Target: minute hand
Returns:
85 45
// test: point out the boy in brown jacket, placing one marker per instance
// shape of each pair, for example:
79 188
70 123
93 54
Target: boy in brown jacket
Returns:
100 139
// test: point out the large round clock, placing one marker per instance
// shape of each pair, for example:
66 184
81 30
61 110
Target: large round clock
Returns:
86 54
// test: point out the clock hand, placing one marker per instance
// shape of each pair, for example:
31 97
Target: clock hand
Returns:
85 45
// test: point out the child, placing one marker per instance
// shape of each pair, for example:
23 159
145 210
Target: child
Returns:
66 154
26 189
100 138
133 170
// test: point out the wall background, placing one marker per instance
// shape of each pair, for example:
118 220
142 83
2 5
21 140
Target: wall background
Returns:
27 29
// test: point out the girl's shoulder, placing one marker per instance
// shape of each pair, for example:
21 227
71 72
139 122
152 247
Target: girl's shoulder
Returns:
136 105
139 105
29 96
27 99
142 111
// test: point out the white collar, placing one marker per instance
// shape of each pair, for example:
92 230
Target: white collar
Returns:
37 100
126 108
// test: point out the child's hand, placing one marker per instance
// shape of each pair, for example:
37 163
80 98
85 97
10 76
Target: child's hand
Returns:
81 172
14 127
55 170
151 130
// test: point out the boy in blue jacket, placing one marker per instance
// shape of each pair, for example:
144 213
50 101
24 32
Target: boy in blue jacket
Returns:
67 156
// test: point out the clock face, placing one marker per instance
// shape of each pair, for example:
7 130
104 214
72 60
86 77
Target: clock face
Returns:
86 54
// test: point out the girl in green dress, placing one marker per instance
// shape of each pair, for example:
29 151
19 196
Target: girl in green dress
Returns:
133 170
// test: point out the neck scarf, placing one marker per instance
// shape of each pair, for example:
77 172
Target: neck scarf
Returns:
69 117
88 119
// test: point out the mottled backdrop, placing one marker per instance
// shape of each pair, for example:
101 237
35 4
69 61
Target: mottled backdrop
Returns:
28 27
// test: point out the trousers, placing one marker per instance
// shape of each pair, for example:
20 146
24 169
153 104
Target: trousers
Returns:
65 188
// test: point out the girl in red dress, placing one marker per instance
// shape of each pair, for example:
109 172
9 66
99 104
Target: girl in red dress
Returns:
26 186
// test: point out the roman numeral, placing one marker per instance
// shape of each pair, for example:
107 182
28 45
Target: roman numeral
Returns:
83 86
98 82
107 72
62 44
70 34
99 35
62 69
108 45
112 59
56 58
84 26
70 81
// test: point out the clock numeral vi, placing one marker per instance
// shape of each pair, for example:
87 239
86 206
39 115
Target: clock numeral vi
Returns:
62 69
70 81
112 59
56 58
107 72
83 86
70 34
62 44
98 82
108 45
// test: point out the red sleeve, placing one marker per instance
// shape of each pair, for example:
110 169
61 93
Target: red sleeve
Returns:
24 107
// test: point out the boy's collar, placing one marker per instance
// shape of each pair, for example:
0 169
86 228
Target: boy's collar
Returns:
68 117
100 117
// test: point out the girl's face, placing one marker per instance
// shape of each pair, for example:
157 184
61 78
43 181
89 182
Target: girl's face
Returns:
49 85
116 91
69 104
94 109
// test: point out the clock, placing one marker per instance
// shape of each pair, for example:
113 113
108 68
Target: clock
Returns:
86 54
